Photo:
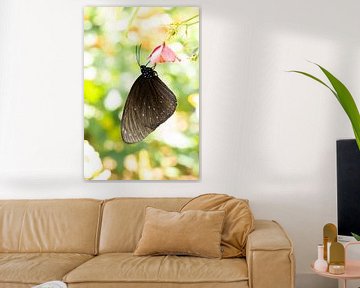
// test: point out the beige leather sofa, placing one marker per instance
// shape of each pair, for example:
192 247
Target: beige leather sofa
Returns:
89 243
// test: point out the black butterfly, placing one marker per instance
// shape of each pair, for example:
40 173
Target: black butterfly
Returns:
149 103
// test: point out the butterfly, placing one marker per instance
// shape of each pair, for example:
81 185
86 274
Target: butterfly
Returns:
149 103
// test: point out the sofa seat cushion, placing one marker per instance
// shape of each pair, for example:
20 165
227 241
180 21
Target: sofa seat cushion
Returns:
125 267
36 268
50 226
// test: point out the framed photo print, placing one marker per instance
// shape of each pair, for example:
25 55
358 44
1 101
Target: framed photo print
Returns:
141 93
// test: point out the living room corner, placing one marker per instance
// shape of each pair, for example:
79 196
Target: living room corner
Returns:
266 135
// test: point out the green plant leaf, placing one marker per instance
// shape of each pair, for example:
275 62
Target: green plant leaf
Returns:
344 97
356 236
347 102
316 79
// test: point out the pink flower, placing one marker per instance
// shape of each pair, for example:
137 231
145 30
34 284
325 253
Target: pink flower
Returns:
162 54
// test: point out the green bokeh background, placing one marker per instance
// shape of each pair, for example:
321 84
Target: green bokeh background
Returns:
171 152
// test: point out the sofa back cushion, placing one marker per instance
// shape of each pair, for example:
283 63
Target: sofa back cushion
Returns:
67 226
238 224
123 220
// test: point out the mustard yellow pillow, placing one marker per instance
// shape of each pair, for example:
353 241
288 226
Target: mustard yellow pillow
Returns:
193 232
238 223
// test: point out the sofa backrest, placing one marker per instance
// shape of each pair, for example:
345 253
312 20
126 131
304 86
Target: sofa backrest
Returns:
123 220
68 226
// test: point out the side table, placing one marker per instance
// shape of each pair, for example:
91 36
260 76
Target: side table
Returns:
352 268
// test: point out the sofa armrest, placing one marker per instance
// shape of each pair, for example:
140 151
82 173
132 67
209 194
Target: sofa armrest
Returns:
269 256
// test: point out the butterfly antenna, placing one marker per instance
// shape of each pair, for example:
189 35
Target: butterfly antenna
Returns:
137 54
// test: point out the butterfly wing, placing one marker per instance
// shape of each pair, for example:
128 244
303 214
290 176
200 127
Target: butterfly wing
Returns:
149 104
132 130
160 105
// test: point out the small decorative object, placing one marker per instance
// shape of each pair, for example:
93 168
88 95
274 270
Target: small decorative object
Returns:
344 97
336 269
328 245
51 284
329 236
320 264
337 258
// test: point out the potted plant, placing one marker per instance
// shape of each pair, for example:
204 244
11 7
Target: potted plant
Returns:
345 99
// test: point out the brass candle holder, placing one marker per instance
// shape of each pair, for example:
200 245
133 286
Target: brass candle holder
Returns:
329 236
337 258
334 252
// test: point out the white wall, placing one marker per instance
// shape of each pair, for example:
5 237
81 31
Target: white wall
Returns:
266 135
